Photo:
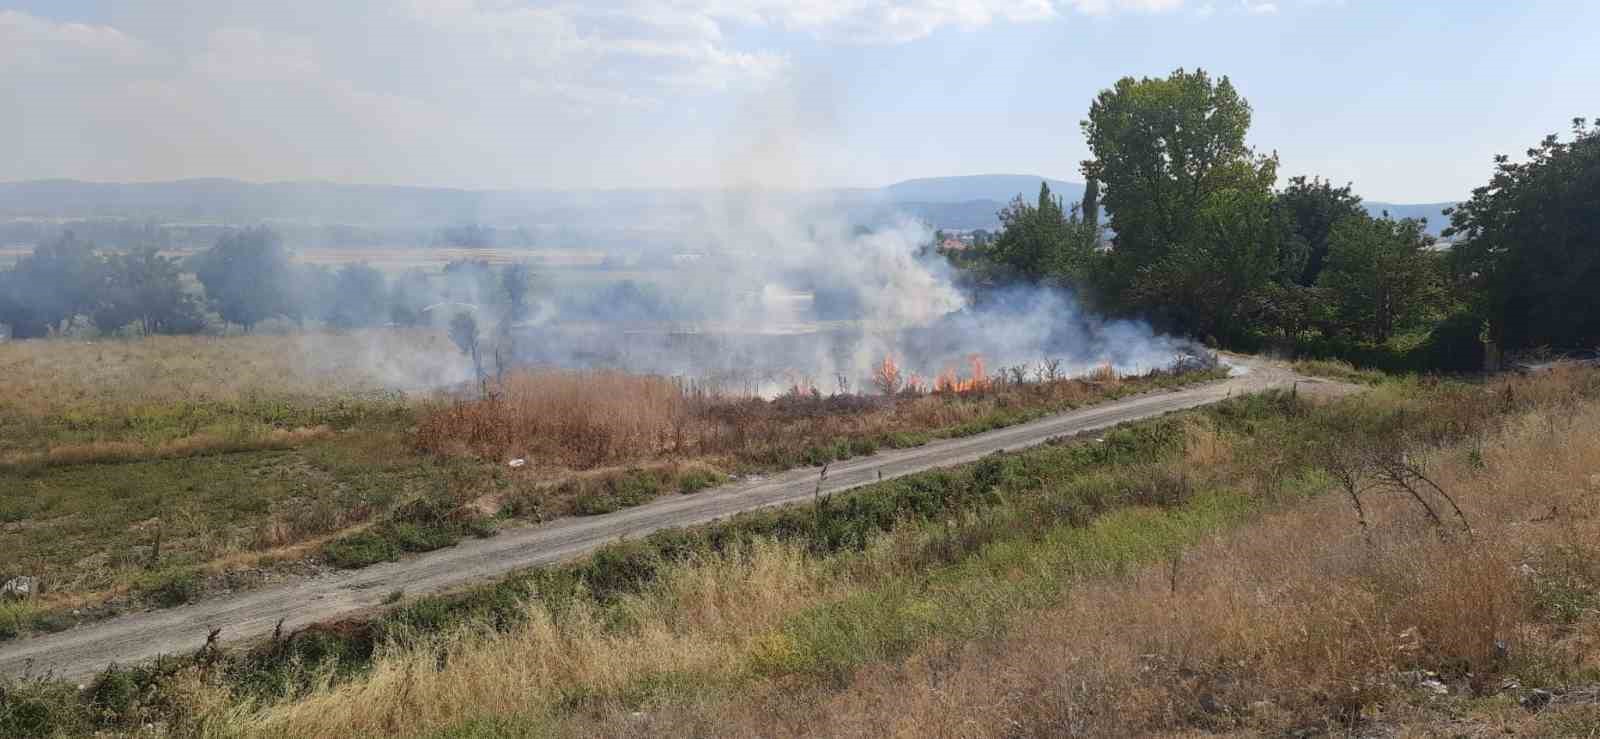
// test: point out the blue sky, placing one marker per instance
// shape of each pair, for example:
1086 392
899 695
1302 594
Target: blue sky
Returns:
1407 100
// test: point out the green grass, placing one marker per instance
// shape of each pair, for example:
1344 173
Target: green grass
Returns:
153 423
91 527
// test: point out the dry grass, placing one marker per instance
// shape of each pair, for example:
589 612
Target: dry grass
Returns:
698 618
1337 369
583 420
1295 621
55 377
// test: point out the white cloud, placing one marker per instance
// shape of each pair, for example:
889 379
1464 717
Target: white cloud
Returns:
1103 7
863 21
473 92
29 40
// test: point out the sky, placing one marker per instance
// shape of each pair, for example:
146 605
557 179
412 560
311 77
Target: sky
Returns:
1409 100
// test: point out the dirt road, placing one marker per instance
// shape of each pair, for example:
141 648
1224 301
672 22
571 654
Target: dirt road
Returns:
81 652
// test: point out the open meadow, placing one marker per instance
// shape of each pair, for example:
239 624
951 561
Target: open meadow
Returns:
152 472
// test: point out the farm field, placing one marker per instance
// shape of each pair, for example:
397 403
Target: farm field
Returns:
153 472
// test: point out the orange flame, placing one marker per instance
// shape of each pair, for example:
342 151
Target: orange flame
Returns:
950 381
887 376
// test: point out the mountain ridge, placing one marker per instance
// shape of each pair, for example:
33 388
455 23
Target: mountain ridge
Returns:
953 202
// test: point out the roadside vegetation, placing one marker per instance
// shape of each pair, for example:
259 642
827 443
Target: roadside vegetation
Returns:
149 473
1250 597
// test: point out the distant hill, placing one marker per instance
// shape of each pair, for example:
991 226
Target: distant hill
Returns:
960 202
1434 212
612 216
999 188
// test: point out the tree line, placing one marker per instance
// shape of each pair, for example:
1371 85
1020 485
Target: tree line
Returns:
245 278
1199 239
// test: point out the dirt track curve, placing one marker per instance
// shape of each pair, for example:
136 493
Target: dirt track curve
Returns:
83 651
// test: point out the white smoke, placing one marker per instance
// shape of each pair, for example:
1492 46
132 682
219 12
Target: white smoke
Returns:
778 287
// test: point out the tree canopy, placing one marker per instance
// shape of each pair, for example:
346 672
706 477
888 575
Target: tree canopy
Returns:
1383 275
1163 148
144 288
1314 207
247 277
50 288
1528 247
1042 241
1206 245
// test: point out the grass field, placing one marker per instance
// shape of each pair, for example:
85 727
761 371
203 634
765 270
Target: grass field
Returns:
1201 573
151 472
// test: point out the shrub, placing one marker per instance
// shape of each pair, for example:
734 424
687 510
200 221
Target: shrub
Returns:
173 588
40 708
695 480
614 493
360 550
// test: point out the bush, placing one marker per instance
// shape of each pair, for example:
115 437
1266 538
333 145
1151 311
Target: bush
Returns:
168 589
695 480
114 695
420 525
40 708
634 487
411 537
359 550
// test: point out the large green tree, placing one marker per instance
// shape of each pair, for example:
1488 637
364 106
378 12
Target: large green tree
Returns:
1164 149
145 288
360 297
1207 285
1382 276
1314 206
248 277
49 289
1041 242
1528 244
